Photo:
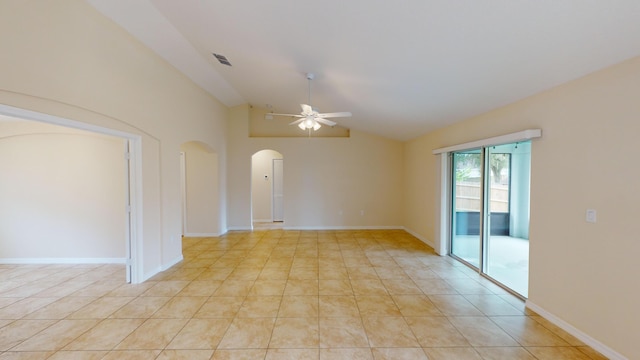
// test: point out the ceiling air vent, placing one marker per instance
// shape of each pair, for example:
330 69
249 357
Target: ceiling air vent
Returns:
222 59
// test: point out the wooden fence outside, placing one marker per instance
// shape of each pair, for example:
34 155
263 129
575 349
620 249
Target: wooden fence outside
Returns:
468 197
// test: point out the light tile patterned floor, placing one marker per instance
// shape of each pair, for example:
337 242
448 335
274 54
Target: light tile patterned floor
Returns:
276 294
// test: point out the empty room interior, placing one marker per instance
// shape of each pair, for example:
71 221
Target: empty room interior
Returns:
329 180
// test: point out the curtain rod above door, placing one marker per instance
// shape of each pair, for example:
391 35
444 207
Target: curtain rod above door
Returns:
496 140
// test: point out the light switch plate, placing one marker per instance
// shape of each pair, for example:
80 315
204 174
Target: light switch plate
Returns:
591 215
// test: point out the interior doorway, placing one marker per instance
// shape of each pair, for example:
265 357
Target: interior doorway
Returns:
490 212
89 208
267 189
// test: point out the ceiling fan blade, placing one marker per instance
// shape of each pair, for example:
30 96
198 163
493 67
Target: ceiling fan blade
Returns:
297 121
292 115
325 121
306 109
335 114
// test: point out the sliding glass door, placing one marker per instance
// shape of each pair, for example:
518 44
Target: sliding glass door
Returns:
490 212
467 203
507 249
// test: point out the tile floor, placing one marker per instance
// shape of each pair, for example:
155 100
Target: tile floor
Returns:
276 294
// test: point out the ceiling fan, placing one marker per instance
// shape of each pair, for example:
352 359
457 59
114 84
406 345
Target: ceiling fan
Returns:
310 118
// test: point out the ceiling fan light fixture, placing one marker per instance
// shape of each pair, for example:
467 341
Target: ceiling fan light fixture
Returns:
310 117
308 124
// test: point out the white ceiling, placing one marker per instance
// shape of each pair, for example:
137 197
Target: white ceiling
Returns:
403 68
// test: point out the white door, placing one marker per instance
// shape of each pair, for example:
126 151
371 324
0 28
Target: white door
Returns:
278 208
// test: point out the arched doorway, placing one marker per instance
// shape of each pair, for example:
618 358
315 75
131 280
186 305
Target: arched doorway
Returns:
85 180
267 195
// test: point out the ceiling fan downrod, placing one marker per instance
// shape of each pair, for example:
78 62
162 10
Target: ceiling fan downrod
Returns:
310 76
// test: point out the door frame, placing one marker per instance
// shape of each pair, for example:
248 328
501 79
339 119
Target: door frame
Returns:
273 187
443 226
442 244
133 233
484 218
183 191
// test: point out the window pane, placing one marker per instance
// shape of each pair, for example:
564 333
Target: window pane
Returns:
467 202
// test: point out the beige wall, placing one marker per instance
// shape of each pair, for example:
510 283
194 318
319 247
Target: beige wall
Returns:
65 59
583 273
78 214
327 181
202 191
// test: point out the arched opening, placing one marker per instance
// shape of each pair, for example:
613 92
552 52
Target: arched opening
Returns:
68 192
267 197
199 166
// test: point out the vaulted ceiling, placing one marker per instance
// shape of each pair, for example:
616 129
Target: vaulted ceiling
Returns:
403 68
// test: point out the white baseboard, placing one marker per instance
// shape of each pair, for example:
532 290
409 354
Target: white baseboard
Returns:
161 268
202 235
151 274
239 228
171 263
302 228
420 237
71 261
593 343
